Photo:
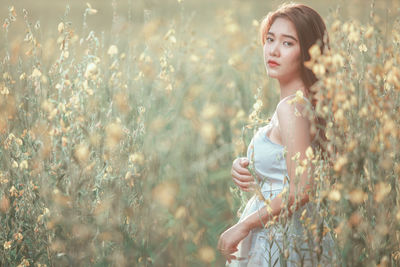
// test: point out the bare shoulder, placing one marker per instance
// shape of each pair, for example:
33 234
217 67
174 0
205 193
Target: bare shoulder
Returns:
294 125
291 108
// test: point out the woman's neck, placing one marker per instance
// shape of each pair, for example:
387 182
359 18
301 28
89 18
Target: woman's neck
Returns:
291 87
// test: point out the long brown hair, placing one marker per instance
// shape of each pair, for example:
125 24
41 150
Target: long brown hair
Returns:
310 29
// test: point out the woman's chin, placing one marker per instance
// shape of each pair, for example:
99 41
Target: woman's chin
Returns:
272 74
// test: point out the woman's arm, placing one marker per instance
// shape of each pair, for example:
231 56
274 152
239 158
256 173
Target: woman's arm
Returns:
295 134
241 176
294 127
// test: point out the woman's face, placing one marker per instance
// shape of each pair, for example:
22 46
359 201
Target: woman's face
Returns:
282 51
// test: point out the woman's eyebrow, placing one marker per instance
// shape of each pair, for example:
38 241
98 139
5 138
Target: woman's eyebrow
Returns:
284 35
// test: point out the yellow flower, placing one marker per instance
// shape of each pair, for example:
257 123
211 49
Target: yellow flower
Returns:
297 99
82 153
18 236
341 161
112 50
60 27
210 111
24 263
334 195
337 60
368 33
7 244
363 48
257 106
314 51
14 164
91 70
357 196
208 132
300 170
309 153
382 189
206 254
36 73
318 69
136 158
23 165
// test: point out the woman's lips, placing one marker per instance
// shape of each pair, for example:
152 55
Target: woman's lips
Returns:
272 63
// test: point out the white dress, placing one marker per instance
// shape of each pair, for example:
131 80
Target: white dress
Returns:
268 247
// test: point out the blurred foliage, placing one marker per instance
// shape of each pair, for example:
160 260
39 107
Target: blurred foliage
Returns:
118 132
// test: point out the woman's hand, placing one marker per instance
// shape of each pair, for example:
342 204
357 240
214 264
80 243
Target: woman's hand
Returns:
229 240
241 175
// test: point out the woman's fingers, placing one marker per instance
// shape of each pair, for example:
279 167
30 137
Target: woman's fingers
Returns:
244 186
242 177
230 258
244 162
240 168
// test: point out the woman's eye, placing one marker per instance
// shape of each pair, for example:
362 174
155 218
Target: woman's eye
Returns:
269 39
287 43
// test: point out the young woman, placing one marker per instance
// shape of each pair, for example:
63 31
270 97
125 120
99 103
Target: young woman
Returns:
287 34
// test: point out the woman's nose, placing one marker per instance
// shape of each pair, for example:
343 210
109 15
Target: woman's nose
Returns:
274 49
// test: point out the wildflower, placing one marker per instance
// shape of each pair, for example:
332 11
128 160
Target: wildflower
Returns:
337 60
334 195
314 51
339 115
257 106
357 196
114 134
18 141
165 193
208 132
4 90
296 156
136 158
368 33
60 27
91 70
18 236
14 164
300 170
7 244
318 69
210 111
194 58
24 263
81 153
335 25
90 10
36 73
363 48
355 219
4 204
309 153
180 212
354 35
112 50
206 254
23 165
298 98
170 35
169 87
341 161
382 189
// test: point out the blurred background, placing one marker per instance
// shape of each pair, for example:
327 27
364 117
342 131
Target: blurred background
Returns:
122 119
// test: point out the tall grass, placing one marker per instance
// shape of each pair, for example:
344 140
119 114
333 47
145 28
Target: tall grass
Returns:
116 147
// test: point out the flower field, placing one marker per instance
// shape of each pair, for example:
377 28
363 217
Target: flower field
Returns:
120 121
